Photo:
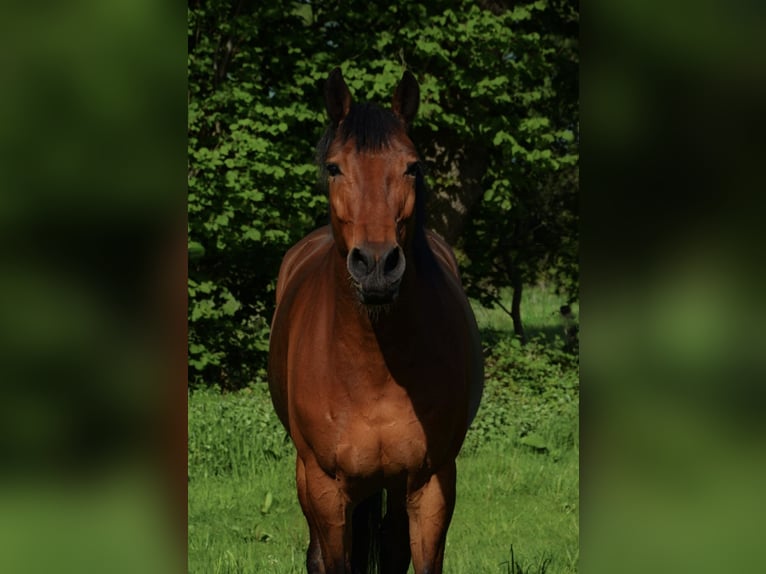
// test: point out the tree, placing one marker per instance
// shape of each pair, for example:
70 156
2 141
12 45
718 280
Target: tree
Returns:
526 226
251 177
496 127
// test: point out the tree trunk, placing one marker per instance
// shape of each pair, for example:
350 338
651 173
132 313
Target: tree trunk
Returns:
457 172
518 286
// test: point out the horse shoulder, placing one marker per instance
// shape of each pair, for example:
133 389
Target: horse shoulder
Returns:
300 254
297 265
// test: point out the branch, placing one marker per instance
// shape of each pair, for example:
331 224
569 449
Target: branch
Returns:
503 307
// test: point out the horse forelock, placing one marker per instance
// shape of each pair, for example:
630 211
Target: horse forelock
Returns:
371 127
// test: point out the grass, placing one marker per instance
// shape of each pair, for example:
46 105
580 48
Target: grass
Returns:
540 314
505 497
518 501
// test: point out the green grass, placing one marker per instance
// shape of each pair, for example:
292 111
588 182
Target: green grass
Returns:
517 474
505 497
539 309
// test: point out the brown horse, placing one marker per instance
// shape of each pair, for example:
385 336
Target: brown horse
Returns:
375 364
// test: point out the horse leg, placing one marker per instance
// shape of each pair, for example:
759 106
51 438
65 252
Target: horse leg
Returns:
430 511
314 564
330 512
395 543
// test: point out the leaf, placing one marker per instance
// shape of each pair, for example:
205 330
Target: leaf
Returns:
231 305
196 250
253 234
534 441
500 137
267 503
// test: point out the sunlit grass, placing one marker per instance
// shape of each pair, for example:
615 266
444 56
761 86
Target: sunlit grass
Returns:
506 496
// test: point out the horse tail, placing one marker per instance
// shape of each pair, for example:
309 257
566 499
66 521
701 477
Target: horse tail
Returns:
366 535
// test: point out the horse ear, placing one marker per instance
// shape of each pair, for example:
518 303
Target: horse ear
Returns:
337 97
407 98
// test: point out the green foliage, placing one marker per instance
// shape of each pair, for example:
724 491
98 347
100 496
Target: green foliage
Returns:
251 184
531 397
525 227
497 128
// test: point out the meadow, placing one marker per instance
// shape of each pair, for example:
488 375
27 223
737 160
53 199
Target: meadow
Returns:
518 479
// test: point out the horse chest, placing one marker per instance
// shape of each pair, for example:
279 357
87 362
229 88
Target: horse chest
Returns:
371 406
383 435
378 445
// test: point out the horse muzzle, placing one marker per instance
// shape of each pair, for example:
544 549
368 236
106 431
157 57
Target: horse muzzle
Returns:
377 271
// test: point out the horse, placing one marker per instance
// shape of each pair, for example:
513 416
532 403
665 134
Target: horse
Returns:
375 363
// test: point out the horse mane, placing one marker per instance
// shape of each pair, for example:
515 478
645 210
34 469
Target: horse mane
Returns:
372 128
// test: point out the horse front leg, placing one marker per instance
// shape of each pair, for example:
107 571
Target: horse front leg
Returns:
430 510
326 507
314 564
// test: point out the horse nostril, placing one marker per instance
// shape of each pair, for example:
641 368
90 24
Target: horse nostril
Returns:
391 261
364 264
360 263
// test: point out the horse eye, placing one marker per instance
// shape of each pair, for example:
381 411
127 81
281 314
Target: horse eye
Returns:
332 169
412 168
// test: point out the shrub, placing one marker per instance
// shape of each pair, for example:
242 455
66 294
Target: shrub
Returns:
531 395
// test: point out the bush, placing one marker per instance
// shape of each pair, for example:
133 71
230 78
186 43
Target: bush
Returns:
531 397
